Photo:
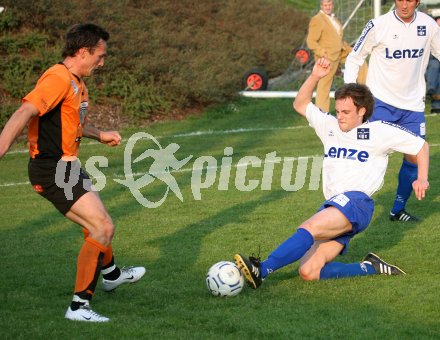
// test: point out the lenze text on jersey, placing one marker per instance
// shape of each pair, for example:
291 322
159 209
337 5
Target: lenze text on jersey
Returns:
413 53
352 154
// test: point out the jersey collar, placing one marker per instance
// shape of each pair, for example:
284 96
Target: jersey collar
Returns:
61 63
403 22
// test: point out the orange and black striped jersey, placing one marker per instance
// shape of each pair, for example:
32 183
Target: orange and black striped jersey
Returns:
62 101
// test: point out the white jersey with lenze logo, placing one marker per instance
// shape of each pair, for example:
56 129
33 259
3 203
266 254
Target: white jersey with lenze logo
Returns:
399 57
357 160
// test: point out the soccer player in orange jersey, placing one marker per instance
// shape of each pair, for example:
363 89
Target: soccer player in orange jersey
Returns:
56 110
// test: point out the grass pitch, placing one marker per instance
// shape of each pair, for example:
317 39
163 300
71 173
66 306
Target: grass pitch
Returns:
179 241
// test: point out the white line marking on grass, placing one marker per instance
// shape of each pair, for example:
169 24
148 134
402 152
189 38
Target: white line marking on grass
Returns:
226 132
14 184
194 134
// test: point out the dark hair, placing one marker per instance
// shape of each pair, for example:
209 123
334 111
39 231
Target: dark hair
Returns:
361 96
83 35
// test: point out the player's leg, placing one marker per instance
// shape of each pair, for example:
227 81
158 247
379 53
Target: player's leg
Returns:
43 174
321 253
407 175
370 265
325 224
415 122
323 88
343 215
113 276
89 212
109 269
318 263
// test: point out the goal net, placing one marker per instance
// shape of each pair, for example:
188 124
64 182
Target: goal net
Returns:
354 14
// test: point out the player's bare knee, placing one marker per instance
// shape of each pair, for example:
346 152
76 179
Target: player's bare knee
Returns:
108 228
310 227
308 273
104 230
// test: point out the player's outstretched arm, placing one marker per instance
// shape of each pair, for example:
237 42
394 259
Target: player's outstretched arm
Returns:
421 184
305 93
111 138
15 125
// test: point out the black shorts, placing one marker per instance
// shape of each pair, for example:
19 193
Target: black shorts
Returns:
62 189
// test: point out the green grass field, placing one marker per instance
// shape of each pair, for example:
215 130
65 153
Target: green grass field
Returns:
179 241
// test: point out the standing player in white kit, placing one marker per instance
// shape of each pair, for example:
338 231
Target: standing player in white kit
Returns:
399 44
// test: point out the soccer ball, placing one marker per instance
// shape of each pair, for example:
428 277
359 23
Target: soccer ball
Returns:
224 279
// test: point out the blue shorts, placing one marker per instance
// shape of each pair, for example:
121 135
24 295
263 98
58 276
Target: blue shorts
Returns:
413 121
358 207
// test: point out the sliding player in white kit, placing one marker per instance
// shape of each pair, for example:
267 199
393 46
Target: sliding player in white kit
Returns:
355 160
399 44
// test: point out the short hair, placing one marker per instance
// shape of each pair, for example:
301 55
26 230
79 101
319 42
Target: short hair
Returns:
361 96
83 35
418 2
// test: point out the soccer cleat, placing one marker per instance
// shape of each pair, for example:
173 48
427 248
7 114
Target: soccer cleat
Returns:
84 313
381 266
128 275
403 216
250 269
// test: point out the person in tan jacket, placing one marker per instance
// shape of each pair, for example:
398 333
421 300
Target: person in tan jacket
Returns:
326 39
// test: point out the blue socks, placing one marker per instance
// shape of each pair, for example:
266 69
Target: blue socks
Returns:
336 270
407 175
288 252
297 245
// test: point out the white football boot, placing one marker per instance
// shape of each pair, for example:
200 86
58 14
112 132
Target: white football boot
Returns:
84 313
128 275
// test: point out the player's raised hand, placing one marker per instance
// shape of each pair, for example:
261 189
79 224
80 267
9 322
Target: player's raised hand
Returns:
304 96
321 67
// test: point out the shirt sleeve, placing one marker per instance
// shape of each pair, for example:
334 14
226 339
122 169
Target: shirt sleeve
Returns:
50 90
397 138
319 120
363 47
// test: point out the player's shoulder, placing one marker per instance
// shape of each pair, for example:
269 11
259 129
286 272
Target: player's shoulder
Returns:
382 22
385 19
426 22
312 108
58 71
377 24
59 78
424 18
